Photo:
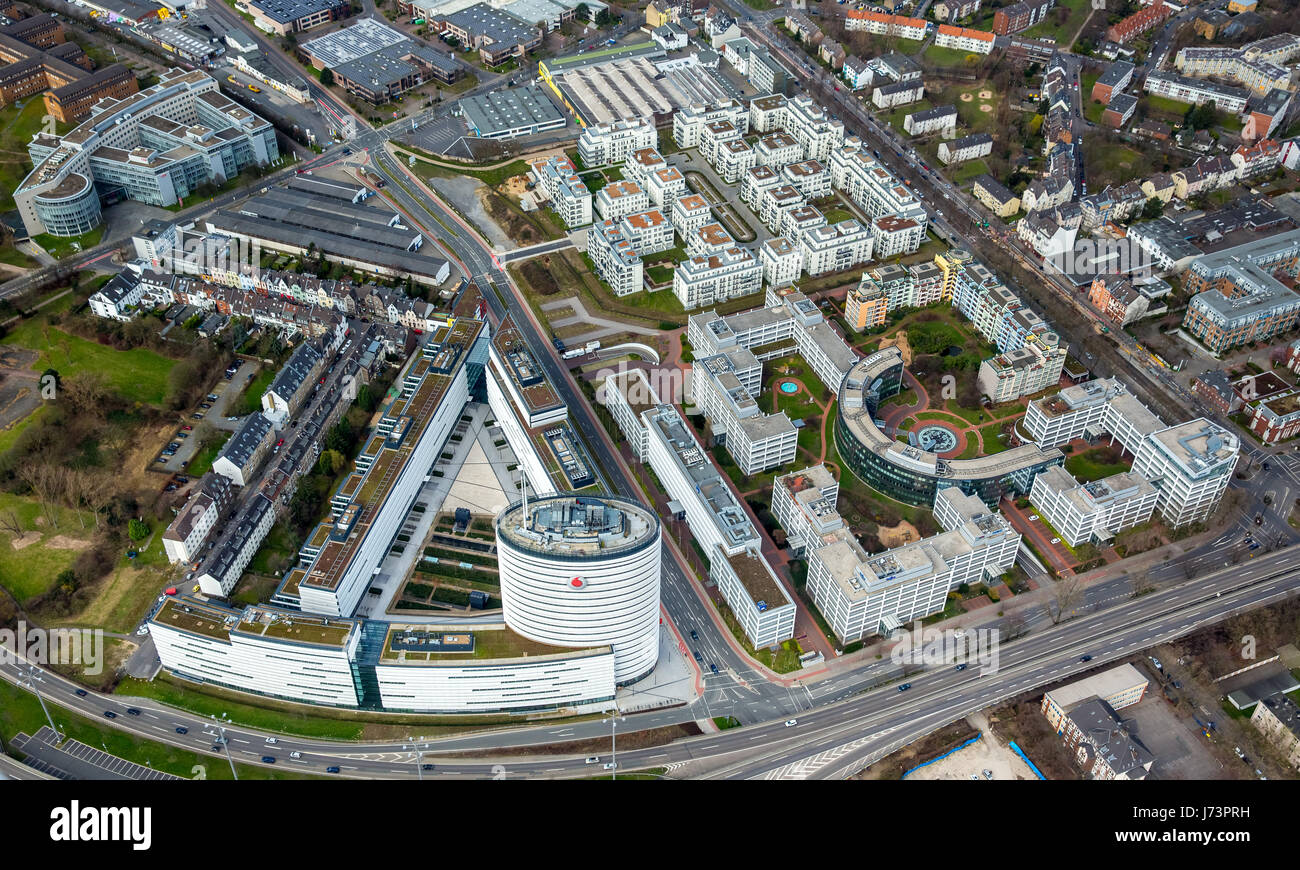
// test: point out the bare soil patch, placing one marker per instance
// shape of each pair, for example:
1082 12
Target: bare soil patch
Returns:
896 536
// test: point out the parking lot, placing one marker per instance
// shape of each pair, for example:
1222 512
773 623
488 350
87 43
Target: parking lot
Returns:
175 455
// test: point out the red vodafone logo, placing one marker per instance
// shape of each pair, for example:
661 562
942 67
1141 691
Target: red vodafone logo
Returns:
577 583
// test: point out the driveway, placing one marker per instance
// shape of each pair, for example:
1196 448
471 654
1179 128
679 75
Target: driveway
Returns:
226 391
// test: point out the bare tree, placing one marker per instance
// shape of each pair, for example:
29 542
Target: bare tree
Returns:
1066 597
9 523
1140 581
40 480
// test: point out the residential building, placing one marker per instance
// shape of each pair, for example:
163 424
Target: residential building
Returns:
1117 299
709 280
1185 89
186 535
884 24
1020 16
782 261
994 196
690 213
971 147
1236 299
1119 687
616 141
836 247
1130 28
568 195
1023 371
242 455
1275 419
1116 78
1278 718
940 119
649 231
897 94
616 259
893 236
620 198
964 39
282 17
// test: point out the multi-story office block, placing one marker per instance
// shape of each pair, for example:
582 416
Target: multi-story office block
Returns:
1192 463
755 595
803 502
1096 511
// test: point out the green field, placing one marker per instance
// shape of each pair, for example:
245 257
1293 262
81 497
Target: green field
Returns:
249 401
17 126
950 57
1088 466
201 464
1062 33
1166 106
61 246
31 570
138 375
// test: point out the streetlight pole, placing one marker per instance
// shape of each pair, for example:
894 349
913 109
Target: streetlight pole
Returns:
220 725
418 748
613 721
30 678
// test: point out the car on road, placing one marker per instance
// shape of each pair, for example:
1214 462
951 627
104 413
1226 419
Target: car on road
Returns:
132 711
142 631
109 714
272 740
331 769
904 687
255 89
295 754
1155 661
961 667
699 658
713 668
609 765
181 729
1085 658
988 774
426 767
694 635
170 590
81 693
593 759
268 759
790 723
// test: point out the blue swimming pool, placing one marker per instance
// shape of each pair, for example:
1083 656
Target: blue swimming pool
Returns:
789 387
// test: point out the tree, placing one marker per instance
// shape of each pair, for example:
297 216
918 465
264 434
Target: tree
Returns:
138 530
604 18
330 462
1066 597
327 77
1153 209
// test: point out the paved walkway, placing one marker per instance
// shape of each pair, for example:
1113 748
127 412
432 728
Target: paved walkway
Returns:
602 326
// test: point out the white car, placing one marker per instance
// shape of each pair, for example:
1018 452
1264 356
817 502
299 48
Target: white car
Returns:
609 765
272 740
295 754
790 723
593 759
1056 540
142 631
1033 517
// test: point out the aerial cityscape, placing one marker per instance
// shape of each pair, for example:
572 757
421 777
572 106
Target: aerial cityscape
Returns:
677 390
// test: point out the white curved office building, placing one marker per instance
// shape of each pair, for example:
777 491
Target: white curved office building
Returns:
580 571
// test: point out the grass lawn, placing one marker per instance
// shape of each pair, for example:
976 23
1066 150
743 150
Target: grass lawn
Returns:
1087 466
783 661
760 5
249 401
14 257
1062 33
836 213
492 177
964 172
950 57
202 461
139 375
17 126
30 571
1166 106
1113 162
21 711
469 81
992 443
10 435
61 246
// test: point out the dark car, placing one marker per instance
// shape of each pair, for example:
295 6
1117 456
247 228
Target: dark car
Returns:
694 636
268 759
181 729
81 693
961 667
699 658
713 668
1085 658
426 767
110 714
904 687
132 711
331 770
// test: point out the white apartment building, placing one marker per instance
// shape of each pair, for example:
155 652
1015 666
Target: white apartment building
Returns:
690 213
836 247
188 532
970 147
665 186
796 221
756 183
803 502
1185 89
940 119
862 594
616 259
648 231
809 177
769 113
1096 511
777 150
642 163
871 186
897 94
914 286
755 595
812 126
568 194
894 236
621 198
732 159
616 141
707 239
782 261
717 277
689 121
1031 368
776 202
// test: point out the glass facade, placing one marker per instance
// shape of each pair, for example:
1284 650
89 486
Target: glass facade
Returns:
70 215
